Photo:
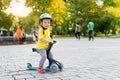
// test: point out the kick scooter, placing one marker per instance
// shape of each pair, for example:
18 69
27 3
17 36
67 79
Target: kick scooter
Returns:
54 65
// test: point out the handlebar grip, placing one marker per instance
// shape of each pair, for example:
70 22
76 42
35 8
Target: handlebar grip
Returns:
54 41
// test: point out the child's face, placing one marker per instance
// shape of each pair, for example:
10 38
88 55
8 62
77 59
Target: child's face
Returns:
46 23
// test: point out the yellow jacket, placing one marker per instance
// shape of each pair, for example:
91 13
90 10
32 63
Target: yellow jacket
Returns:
43 34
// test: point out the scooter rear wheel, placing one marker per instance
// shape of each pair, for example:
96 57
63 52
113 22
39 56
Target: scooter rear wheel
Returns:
54 68
60 65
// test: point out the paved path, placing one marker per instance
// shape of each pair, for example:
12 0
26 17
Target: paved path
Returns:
83 60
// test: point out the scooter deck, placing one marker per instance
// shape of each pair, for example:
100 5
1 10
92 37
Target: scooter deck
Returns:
32 68
36 68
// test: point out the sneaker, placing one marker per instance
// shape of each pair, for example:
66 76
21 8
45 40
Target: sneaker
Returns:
41 70
47 68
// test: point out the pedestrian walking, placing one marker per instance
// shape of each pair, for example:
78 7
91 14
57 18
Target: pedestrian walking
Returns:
77 31
90 30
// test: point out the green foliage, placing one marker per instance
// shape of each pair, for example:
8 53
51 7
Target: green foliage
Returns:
113 3
78 21
84 10
38 5
52 7
4 4
66 13
105 24
28 22
109 3
103 17
5 21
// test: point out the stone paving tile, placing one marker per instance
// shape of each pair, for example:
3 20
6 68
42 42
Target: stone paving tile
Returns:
6 78
82 60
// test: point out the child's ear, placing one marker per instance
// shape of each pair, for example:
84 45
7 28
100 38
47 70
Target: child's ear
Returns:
40 22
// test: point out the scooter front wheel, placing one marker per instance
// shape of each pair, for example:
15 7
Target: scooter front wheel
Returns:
29 65
54 68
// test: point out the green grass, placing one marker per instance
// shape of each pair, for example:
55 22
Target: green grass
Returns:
98 35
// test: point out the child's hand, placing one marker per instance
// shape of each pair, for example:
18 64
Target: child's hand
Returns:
52 42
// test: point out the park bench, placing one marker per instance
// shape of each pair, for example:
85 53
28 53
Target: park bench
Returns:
9 40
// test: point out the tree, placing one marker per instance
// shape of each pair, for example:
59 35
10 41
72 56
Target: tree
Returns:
113 7
29 22
5 21
57 8
4 4
85 10
38 5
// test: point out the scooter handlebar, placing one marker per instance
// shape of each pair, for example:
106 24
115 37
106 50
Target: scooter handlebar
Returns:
53 42
48 49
